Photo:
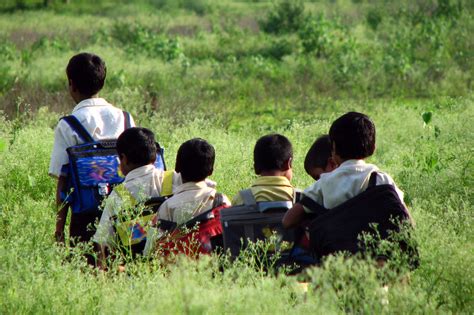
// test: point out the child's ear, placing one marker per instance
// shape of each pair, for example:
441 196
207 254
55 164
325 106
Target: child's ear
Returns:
288 164
331 165
211 171
123 158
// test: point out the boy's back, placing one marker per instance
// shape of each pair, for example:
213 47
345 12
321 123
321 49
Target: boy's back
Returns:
189 200
100 119
345 182
269 188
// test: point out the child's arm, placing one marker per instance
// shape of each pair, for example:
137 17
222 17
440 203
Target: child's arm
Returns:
293 216
62 207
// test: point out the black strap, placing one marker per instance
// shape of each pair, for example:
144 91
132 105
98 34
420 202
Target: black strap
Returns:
248 198
372 180
77 127
312 205
218 200
127 120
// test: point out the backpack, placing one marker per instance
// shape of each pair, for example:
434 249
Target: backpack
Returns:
93 169
377 211
200 235
131 231
254 221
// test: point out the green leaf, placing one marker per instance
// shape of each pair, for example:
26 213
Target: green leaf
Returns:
427 117
3 145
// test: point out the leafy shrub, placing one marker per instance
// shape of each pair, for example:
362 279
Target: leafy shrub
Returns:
278 49
138 39
316 36
284 17
374 18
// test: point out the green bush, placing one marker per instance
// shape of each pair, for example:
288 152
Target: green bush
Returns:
285 16
316 35
139 39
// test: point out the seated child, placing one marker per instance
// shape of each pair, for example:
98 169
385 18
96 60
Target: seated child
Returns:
319 158
194 162
272 157
353 140
86 76
136 149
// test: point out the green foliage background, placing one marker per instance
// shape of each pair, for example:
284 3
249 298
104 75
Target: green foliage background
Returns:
230 72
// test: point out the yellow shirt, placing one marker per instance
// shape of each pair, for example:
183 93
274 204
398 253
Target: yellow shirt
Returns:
269 188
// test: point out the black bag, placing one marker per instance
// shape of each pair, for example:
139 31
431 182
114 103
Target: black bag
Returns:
254 221
378 210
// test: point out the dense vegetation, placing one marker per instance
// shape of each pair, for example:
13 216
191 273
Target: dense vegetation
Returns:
230 72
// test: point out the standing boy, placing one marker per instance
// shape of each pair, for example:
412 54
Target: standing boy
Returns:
86 76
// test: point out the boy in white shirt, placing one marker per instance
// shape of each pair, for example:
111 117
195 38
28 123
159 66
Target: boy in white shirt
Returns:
195 162
353 139
86 76
137 153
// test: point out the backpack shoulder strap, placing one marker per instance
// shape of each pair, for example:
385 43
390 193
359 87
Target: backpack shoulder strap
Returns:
77 127
248 198
127 120
315 207
167 185
372 180
124 194
218 200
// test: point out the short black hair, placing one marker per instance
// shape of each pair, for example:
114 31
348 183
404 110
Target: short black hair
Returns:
271 152
87 72
138 145
195 160
318 154
353 136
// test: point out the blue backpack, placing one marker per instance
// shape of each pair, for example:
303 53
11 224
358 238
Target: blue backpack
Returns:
93 168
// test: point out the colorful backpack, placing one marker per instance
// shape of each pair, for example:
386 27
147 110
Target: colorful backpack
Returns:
131 230
200 235
93 168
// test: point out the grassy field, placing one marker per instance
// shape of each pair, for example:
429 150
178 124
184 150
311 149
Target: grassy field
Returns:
230 72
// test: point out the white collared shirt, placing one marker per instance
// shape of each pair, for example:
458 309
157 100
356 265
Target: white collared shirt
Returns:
143 183
101 119
189 200
345 182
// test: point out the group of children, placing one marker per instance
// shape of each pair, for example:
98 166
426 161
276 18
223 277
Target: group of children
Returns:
335 161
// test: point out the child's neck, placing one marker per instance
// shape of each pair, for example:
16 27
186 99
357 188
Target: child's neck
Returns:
79 97
273 173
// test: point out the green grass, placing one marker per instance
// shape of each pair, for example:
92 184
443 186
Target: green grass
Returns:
229 82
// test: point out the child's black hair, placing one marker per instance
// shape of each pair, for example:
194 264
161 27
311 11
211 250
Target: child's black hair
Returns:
353 136
138 145
319 154
87 72
195 160
271 153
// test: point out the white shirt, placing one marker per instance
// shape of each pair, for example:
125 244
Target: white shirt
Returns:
101 119
189 200
345 182
143 183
